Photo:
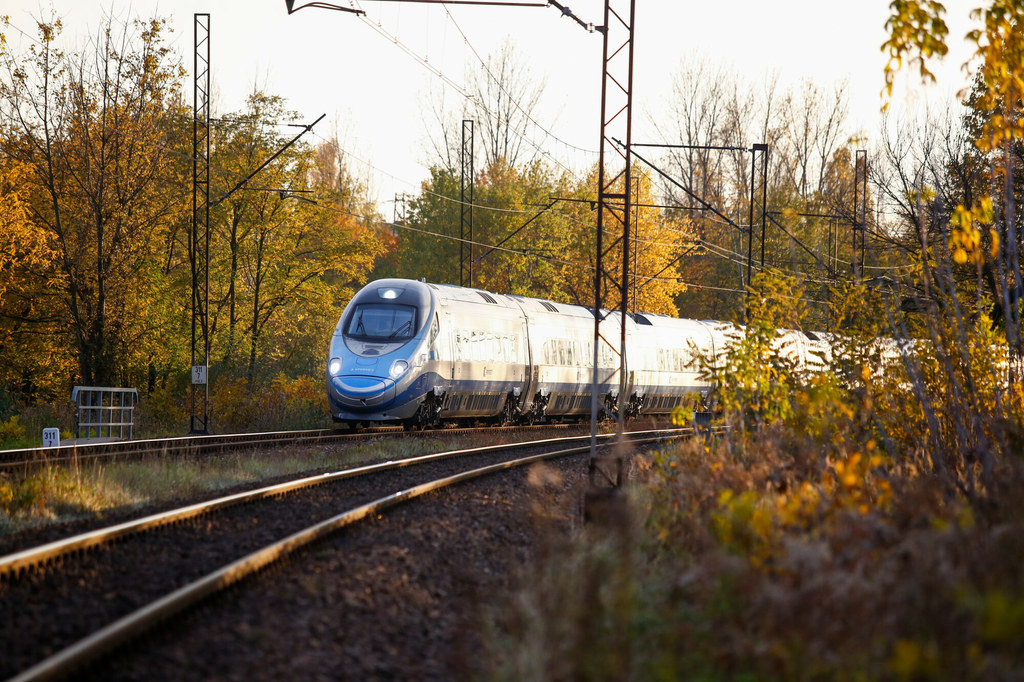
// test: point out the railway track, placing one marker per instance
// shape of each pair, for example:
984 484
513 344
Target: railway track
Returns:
198 445
189 554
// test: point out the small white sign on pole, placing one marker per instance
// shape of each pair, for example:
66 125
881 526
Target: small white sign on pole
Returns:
51 438
198 374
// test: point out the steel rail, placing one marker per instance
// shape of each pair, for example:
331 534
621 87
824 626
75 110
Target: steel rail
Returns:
18 561
106 639
167 446
202 444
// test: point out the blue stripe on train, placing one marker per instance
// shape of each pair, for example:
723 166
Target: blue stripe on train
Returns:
461 392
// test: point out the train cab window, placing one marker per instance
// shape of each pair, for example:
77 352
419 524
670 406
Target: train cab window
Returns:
382 321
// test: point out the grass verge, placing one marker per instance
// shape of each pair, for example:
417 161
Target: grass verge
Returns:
59 494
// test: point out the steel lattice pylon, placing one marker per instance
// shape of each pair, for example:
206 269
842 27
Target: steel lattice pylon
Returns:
199 235
466 207
611 280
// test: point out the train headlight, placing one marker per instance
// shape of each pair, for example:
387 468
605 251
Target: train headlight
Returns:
398 368
334 366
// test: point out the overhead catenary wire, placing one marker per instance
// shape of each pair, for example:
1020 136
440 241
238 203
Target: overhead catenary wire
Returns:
712 248
498 82
725 220
533 121
521 134
539 256
491 75
723 252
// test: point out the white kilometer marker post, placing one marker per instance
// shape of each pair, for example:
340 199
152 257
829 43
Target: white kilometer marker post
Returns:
51 438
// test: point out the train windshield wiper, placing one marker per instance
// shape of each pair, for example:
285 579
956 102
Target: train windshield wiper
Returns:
360 329
406 325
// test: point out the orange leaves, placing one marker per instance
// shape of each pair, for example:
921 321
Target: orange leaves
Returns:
800 508
23 246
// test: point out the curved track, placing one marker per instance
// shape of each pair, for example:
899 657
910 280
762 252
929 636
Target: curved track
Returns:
217 541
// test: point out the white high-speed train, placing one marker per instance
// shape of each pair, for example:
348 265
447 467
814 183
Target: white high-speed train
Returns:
423 354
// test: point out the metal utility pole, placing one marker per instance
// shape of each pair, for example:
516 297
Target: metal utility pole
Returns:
636 239
832 255
860 203
199 235
761 148
764 197
611 279
466 206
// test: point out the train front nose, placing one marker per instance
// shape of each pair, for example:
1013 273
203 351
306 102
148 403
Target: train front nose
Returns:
363 391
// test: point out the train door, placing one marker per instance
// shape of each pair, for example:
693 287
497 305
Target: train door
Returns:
441 347
530 371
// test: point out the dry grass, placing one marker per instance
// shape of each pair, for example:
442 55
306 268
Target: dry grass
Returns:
778 564
61 494
862 523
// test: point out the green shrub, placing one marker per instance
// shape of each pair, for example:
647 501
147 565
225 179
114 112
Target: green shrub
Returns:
11 430
163 412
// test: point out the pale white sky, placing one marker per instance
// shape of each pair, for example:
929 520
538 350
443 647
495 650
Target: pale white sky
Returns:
373 89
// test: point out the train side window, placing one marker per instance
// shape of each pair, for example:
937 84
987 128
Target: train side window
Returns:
478 342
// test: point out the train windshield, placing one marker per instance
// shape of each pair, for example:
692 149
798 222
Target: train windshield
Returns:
382 322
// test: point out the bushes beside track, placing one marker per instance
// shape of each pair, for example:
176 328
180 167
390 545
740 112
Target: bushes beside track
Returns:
236 405
862 524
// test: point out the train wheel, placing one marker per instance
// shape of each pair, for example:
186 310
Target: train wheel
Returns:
510 412
428 416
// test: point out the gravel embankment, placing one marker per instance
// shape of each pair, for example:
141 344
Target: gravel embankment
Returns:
396 599
392 599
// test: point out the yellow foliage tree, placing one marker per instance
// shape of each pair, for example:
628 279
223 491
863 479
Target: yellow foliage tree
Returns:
92 137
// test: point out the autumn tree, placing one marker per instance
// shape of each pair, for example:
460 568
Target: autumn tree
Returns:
33 364
534 221
511 187
516 232
969 331
92 136
985 229
288 247
501 99
658 244
714 118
